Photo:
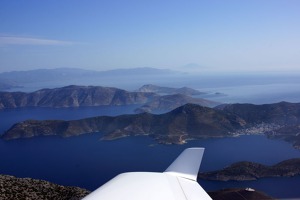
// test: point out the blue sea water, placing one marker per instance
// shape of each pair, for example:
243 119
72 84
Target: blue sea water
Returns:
88 162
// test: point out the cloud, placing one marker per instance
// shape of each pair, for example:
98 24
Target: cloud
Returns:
9 40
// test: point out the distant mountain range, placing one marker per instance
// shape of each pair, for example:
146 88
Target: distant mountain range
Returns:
246 171
71 76
184 123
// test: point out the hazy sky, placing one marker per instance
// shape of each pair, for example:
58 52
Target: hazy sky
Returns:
217 35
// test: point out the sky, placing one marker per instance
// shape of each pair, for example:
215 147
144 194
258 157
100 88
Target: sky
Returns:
193 35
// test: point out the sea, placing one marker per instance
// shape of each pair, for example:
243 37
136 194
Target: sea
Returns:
87 161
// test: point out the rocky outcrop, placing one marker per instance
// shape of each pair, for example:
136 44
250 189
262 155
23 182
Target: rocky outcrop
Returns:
33 189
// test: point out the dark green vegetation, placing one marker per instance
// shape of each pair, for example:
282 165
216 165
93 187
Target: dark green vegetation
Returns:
186 122
28 188
246 171
238 194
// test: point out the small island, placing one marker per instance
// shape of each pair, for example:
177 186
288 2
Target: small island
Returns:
248 171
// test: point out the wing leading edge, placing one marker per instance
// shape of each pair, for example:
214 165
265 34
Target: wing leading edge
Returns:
178 182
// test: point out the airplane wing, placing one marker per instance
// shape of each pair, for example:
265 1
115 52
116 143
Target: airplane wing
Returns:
178 182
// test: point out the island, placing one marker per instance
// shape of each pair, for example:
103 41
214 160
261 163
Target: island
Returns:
80 96
160 104
169 90
247 171
184 123
73 96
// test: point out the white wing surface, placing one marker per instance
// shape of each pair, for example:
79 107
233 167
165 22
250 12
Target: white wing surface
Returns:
178 182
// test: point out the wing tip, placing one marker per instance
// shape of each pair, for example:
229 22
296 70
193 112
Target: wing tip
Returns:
187 164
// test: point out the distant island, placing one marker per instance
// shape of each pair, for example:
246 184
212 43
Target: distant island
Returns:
170 102
247 171
73 96
79 96
177 126
60 77
169 90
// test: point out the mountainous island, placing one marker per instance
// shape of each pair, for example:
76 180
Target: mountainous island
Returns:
177 126
77 96
73 96
247 171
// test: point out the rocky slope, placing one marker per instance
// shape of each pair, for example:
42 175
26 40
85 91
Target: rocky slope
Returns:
73 96
245 171
33 189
